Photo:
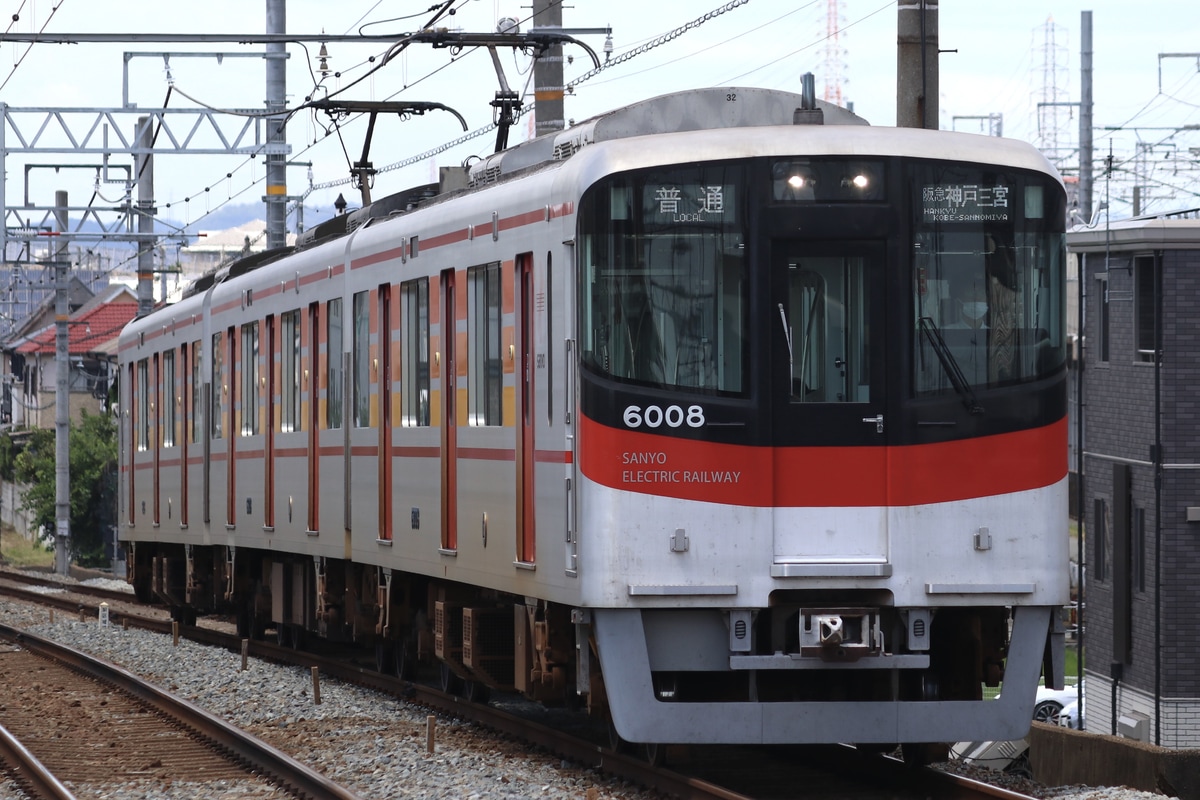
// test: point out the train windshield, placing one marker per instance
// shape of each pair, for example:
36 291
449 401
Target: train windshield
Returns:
664 284
987 279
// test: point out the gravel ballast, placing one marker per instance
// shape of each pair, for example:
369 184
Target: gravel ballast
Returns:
373 744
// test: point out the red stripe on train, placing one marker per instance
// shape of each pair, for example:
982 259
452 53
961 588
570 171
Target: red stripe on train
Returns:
823 476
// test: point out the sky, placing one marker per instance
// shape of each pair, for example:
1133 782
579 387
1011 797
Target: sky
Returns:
999 59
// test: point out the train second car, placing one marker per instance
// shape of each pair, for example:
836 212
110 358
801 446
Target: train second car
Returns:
733 417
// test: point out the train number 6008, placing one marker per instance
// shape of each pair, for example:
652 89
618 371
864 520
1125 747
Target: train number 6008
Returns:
671 416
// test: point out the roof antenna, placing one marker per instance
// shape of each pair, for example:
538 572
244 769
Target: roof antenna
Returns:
808 113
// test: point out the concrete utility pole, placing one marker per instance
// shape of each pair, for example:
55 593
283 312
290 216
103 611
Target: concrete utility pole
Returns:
144 175
1085 117
277 195
548 112
917 64
62 395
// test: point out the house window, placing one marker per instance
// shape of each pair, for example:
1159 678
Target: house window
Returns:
1100 523
290 366
168 398
362 360
333 362
485 377
1139 549
1145 307
415 376
251 391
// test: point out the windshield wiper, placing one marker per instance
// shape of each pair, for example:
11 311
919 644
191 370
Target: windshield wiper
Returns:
950 364
787 334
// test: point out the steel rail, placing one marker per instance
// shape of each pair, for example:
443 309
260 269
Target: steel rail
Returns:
31 773
926 781
290 773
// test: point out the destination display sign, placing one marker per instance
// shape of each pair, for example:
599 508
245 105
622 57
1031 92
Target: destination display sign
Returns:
681 203
965 202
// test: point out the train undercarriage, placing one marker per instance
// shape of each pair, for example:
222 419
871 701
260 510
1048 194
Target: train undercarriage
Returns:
476 641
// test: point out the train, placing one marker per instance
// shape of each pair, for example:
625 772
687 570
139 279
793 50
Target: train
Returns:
725 416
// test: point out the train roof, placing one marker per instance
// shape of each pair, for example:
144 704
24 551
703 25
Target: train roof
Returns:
693 110
707 109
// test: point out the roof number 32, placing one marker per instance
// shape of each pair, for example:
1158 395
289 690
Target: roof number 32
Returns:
671 416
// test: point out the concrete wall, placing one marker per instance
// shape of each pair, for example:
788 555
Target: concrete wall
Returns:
10 510
1061 756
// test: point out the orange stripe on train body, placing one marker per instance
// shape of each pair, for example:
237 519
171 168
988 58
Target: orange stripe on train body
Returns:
902 475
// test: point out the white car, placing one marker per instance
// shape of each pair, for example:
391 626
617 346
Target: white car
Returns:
1071 716
1049 704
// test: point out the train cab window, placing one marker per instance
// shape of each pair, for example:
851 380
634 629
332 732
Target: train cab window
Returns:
143 405
362 360
664 278
289 359
988 304
251 389
169 416
414 381
194 420
827 313
485 376
217 385
333 365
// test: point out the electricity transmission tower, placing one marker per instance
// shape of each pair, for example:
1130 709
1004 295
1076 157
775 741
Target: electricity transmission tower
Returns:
833 65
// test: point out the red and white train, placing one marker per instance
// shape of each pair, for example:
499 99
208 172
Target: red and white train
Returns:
733 417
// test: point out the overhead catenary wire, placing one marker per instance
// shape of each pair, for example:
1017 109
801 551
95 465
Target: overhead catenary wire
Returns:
53 10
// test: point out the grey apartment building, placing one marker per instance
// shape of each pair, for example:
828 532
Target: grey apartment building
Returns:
1140 495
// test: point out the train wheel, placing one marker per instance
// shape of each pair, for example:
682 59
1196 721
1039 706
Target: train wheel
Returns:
572 699
655 753
385 656
245 622
142 590
615 742
447 680
476 692
405 662
286 636
184 616
922 754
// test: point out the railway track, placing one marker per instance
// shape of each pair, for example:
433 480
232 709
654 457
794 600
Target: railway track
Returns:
691 772
94 725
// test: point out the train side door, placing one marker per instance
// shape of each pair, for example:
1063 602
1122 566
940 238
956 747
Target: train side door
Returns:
312 371
449 413
274 355
525 410
828 399
385 413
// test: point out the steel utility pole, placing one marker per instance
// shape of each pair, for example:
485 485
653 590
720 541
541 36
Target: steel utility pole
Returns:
1085 117
548 111
144 175
62 396
277 195
917 64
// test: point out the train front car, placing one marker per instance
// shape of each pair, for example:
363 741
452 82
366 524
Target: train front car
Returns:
822 447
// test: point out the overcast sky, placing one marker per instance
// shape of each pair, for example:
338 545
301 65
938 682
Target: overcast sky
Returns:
1006 58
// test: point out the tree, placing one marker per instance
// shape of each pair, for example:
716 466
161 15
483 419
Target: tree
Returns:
93 472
